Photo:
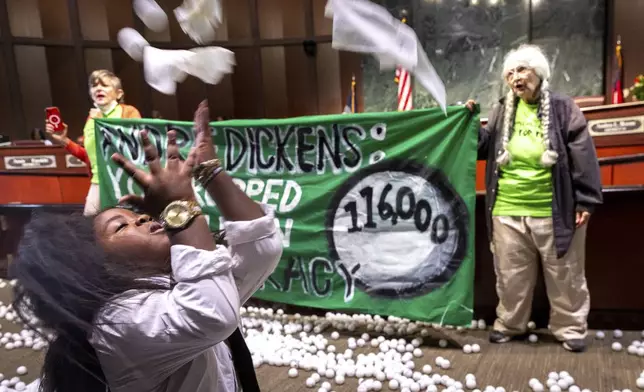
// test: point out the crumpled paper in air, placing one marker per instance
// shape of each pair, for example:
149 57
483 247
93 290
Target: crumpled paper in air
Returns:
365 27
198 18
164 68
151 14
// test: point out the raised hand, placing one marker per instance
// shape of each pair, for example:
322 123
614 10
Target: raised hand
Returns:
59 137
162 185
203 138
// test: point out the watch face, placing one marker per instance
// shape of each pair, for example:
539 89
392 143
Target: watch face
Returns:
177 216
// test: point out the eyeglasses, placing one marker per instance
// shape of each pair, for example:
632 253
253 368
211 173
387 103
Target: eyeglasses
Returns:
518 71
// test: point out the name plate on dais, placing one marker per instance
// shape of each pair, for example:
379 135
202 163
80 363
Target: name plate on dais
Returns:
72 161
616 126
30 162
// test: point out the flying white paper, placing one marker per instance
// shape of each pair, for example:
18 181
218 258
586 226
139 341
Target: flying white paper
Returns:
365 27
151 14
199 19
163 69
210 64
160 71
132 42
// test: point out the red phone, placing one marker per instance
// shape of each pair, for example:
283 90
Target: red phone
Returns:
53 117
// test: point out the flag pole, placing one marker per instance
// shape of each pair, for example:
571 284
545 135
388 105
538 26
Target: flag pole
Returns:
353 93
403 18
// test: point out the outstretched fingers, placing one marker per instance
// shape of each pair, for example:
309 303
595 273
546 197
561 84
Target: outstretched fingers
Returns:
172 151
202 115
151 154
190 162
137 174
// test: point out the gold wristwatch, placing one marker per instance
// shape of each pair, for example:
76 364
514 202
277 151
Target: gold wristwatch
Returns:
178 214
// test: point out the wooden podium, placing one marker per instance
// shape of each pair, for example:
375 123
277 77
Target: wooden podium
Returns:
617 130
39 174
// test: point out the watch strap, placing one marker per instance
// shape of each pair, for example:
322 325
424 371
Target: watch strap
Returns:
192 207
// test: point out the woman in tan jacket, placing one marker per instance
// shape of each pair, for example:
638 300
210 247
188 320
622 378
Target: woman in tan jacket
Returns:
106 91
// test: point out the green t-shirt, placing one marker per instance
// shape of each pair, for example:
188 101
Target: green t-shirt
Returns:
89 137
525 187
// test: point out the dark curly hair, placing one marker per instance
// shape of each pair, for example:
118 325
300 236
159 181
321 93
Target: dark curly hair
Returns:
64 277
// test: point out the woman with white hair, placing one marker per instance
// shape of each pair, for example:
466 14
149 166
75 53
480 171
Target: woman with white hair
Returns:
542 184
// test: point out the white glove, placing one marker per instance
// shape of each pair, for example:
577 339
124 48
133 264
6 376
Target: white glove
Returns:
365 27
199 19
151 14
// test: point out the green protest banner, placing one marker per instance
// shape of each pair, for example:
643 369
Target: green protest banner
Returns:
376 209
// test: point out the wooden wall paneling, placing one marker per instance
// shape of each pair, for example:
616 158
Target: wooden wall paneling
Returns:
276 97
34 84
24 18
15 124
329 89
93 20
79 54
55 19
7 121
68 95
96 58
255 56
281 19
220 98
131 74
322 25
351 64
300 81
165 105
609 50
247 85
237 19
189 94
309 30
146 91
119 15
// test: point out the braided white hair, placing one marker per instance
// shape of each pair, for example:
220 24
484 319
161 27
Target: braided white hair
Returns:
529 56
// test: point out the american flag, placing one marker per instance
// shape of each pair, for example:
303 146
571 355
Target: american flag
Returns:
618 92
403 78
